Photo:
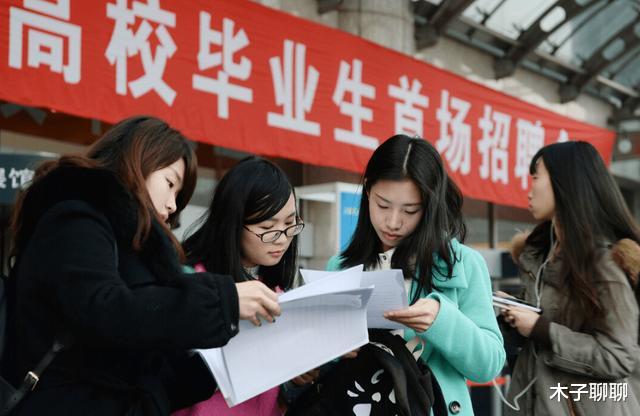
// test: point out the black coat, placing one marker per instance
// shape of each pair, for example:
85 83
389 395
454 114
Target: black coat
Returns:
133 315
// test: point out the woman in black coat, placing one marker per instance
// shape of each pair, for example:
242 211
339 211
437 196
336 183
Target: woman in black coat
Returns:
95 265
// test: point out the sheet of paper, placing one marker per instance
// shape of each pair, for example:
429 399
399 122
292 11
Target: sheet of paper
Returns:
311 331
335 281
389 293
215 360
312 275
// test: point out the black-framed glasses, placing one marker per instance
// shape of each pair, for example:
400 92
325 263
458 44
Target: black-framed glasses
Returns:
273 235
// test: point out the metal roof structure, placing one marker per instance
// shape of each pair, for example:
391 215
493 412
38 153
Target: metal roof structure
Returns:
585 45
590 46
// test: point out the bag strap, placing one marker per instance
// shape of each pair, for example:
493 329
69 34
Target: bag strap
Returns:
414 392
33 377
394 368
416 346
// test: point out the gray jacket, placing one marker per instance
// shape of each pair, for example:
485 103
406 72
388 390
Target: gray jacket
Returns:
570 358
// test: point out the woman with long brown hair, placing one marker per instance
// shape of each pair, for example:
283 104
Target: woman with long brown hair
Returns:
95 267
580 266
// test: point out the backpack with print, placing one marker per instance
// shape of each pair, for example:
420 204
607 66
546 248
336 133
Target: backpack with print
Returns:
384 379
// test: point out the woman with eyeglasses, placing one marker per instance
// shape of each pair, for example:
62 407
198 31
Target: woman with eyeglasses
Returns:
250 232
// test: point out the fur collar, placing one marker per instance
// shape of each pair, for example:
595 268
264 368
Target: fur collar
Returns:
518 243
626 254
102 190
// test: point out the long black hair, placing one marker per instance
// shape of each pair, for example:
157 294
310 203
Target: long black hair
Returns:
251 192
589 210
397 159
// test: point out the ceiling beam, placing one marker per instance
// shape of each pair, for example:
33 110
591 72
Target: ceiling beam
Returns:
533 36
427 34
592 14
597 62
629 111
564 69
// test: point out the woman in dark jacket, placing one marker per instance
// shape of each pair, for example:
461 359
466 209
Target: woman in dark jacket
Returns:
95 265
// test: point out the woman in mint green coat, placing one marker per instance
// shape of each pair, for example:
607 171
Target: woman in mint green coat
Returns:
410 219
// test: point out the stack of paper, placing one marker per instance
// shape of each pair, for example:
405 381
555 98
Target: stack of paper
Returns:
320 321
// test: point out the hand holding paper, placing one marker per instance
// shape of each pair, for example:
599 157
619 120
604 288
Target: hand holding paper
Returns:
419 316
319 322
257 301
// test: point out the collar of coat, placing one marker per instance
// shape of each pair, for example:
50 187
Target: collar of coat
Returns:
626 254
101 189
458 278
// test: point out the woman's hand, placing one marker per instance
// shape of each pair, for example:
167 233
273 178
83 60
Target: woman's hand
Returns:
257 301
306 378
521 319
419 316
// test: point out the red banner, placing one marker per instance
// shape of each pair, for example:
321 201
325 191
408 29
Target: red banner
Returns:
243 76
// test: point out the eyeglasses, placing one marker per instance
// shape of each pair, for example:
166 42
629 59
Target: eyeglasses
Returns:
273 235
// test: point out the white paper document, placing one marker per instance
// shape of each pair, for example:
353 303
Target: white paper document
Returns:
389 293
319 322
335 281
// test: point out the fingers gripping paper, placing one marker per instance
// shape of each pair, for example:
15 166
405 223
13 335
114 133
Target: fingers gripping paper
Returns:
319 322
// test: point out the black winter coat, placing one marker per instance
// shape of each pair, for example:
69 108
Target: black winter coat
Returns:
133 315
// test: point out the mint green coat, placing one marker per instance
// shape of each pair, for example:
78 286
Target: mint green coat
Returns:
464 342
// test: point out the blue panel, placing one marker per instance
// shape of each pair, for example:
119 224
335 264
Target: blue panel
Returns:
349 209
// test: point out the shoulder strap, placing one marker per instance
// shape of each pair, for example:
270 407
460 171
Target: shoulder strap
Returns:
393 367
415 387
413 396
31 379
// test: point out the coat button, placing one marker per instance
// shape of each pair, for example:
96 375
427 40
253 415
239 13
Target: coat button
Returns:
233 327
454 407
384 257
